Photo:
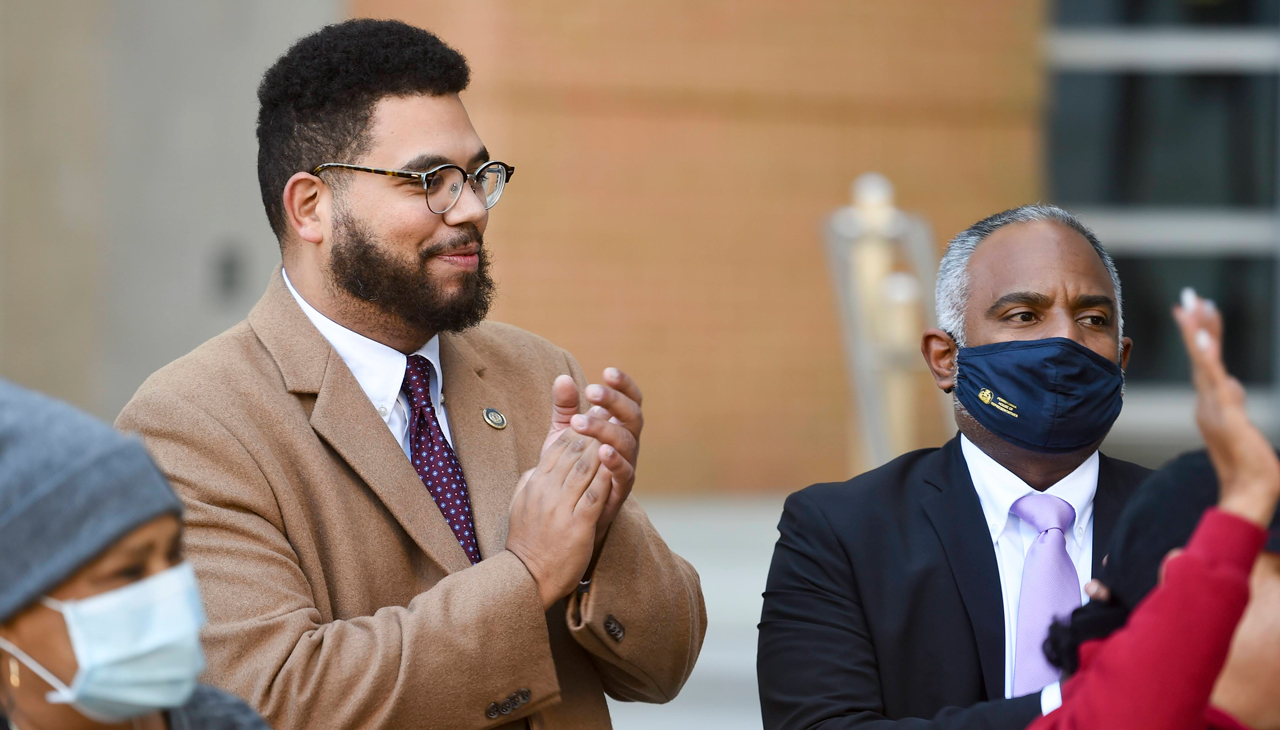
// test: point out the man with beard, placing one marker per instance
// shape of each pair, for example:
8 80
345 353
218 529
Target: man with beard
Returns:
920 594
402 516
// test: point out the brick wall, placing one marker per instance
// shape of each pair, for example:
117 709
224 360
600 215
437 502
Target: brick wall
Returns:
676 163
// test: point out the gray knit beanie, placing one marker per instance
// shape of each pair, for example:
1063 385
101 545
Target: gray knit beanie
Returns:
70 487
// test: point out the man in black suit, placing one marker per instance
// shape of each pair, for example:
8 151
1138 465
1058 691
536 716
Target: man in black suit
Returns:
896 599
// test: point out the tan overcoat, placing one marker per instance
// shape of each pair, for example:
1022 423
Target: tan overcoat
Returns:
337 595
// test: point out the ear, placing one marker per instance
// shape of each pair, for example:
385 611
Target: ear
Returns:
1126 349
307 202
939 351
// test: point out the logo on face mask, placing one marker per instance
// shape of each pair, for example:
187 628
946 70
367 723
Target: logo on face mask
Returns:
996 402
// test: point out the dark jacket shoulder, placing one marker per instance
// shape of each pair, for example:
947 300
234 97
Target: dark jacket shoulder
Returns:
880 486
212 709
1123 472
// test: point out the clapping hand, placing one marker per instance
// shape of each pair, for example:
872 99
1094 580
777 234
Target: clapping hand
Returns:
615 419
554 514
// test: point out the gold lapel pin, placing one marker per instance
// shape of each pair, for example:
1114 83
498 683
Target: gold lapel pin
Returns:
494 417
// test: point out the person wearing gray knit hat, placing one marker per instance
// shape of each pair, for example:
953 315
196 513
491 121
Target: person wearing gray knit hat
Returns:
99 616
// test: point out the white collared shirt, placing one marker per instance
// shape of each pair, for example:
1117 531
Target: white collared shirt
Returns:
998 488
380 370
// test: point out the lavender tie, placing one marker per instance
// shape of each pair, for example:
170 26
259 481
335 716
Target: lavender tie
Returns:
1050 588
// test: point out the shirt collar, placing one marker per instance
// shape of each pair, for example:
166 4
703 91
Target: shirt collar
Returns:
377 368
998 488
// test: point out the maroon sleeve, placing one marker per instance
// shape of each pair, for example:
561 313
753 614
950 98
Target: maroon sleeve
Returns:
1158 671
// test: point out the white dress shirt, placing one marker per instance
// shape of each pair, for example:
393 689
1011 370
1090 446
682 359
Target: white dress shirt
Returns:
998 488
380 370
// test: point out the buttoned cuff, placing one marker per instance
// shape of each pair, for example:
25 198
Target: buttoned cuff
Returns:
580 616
526 677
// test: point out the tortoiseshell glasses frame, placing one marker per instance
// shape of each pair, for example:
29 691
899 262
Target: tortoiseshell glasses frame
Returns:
443 184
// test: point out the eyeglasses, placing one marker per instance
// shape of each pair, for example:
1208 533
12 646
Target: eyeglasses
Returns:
443 184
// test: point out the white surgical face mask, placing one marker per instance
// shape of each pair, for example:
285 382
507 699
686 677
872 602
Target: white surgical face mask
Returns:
137 647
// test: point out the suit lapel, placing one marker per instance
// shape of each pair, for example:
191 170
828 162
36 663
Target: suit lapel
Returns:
487 454
956 515
345 419
1108 501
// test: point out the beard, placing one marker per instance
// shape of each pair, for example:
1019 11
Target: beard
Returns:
406 291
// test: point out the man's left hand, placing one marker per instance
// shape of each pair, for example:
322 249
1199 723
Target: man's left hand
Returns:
615 420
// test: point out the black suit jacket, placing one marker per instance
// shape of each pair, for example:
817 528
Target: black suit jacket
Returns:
883 601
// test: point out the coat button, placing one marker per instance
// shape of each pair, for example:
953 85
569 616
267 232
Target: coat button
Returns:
613 628
505 708
493 712
524 695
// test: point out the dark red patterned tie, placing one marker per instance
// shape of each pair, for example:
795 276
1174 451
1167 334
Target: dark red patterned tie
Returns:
434 459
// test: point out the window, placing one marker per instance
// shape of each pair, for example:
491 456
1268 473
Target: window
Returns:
1162 130
1241 286
1146 13
1163 139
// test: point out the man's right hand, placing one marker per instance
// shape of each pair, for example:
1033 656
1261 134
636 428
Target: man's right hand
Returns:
554 514
1246 464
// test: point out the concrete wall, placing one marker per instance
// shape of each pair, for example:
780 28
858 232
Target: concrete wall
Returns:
51 198
191 250
676 162
131 228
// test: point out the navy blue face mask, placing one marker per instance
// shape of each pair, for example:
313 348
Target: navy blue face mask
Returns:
1053 396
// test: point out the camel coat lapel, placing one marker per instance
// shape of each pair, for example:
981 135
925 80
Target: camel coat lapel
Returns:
345 419
487 454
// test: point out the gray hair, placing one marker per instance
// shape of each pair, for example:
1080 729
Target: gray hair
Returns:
952 292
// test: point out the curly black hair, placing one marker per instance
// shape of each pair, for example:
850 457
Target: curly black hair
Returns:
316 101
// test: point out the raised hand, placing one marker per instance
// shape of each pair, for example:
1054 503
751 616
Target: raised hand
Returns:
1246 464
615 420
554 514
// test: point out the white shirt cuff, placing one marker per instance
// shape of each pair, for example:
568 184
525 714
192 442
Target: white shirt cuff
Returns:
1050 698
